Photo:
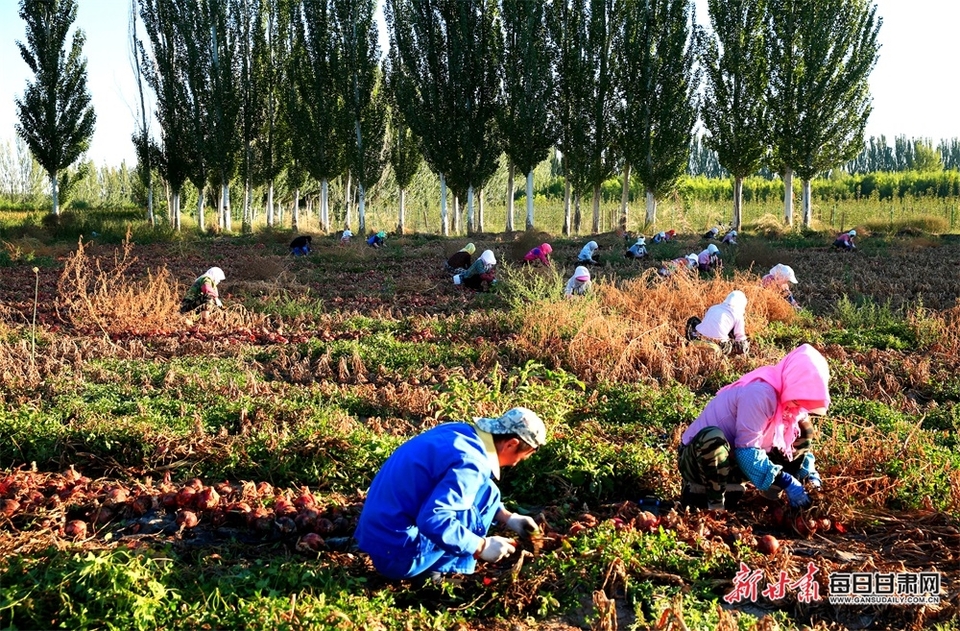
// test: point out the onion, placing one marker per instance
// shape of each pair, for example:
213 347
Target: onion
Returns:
207 499
284 508
768 544
186 496
75 529
646 521
285 525
306 519
116 495
9 507
187 518
311 542
169 500
195 483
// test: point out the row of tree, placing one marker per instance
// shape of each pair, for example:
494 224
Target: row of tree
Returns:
252 89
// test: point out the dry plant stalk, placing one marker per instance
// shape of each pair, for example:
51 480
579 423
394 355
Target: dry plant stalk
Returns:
90 295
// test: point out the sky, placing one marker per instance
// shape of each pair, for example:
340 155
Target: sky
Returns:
913 85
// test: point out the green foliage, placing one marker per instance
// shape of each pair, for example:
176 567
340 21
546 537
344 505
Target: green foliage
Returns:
865 324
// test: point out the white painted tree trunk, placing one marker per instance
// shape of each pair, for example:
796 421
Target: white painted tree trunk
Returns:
530 200
325 205
401 225
220 217
152 218
248 205
471 223
201 211
806 204
651 208
444 219
457 215
55 194
347 199
737 203
566 207
175 210
227 211
596 209
510 173
625 198
296 202
295 215
788 197
577 217
480 211
361 208
271 217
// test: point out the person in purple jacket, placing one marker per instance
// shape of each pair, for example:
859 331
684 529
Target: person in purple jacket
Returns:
430 506
757 429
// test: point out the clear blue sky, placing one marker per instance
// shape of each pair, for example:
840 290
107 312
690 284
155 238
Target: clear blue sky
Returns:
914 85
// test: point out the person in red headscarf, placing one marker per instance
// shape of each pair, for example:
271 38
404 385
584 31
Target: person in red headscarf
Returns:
757 429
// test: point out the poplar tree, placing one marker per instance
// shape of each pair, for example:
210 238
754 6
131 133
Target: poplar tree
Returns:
527 120
405 157
658 51
56 119
821 56
735 111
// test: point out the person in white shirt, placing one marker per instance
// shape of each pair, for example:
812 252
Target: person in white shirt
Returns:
723 326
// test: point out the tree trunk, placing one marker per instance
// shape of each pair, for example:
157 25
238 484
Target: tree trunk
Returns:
444 219
625 198
577 218
347 198
510 173
247 226
737 202
530 200
152 218
788 197
296 202
175 209
480 211
271 218
295 216
325 205
201 211
566 207
403 202
221 222
651 208
806 204
596 209
54 194
456 214
471 221
361 208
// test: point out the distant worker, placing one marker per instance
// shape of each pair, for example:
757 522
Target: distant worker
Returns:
683 264
540 253
203 294
781 277
730 238
638 250
377 240
481 275
579 284
712 233
663 237
844 241
461 260
345 237
723 326
301 245
586 254
709 259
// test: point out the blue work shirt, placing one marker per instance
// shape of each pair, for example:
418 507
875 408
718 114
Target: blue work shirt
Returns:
432 502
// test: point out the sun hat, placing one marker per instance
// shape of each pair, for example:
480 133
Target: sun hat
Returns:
382 234
520 421
215 274
692 259
545 248
641 241
347 233
713 249
852 233
785 272
582 274
469 248
488 257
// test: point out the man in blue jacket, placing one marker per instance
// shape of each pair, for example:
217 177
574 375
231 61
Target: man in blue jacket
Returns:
431 504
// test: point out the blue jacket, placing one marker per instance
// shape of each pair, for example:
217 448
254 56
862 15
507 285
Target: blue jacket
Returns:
431 503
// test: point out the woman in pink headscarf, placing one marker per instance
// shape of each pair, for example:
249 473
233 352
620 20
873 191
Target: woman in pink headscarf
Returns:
757 429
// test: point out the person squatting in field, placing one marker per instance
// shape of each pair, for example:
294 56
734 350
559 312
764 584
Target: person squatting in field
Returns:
663 237
579 284
461 260
844 241
757 429
712 233
301 245
709 259
730 238
638 250
481 275
540 253
780 277
684 264
586 254
377 240
345 237
203 294
723 325
431 505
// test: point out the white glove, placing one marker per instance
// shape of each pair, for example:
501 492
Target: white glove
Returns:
496 548
522 525
219 303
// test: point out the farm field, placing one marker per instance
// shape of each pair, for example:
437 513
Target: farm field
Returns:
158 471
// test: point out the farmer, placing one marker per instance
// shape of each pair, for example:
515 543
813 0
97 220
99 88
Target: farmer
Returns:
781 277
757 429
377 240
461 260
586 254
712 233
539 253
682 264
481 274
638 250
709 258
203 295
345 237
301 245
844 241
723 325
663 237
431 504
579 284
730 238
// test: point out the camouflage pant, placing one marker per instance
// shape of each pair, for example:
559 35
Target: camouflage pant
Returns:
708 459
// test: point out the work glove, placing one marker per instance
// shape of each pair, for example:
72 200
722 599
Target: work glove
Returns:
813 479
795 494
496 548
219 302
522 525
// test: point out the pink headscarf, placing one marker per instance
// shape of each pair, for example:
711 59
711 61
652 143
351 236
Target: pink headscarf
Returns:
803 375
